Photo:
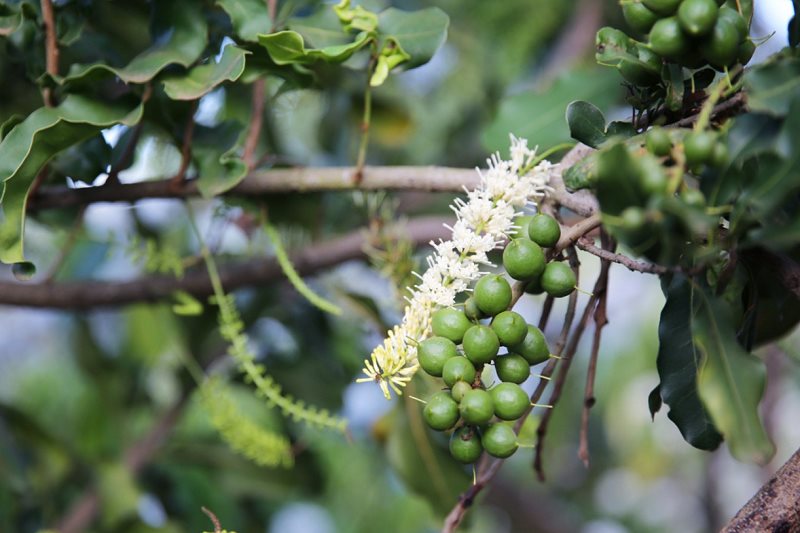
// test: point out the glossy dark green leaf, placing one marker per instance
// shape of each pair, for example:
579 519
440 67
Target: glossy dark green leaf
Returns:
287 47
218 166
249 17
33 142
180 41
654 401
321 29
204 78
582 174
677 365
586 123
419 33
84 161
772 87
730 381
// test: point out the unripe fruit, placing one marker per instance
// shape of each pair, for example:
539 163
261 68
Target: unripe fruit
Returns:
534 286
533 347
544 230
476 407
658 142
698 147
465 445
697 17
499 440
450 324
746 51
492 294
662 7
480 344
721 47
731 16
667 39
523 259
459 389
719 157
653 177
522 226
510 328
558 279
433 353
471 309
693 198
512 368
458 369
633 218
441 411
638 16
509 400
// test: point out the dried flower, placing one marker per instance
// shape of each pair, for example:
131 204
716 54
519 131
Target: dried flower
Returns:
484 220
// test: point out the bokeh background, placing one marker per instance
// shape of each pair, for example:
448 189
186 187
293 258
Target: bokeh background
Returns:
78 389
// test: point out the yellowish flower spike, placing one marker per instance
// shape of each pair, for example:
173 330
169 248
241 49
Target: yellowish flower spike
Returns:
484 220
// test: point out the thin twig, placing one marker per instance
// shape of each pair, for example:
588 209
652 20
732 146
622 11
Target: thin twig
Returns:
631 264
126 158
51 48
177 181
256 122
214 520
600 320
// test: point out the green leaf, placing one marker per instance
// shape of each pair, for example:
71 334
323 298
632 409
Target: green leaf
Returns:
677 367
772 87
582 174
419 33
204 78
730 381
285 47
84 161
321 29
249 17
214 151
33 142
10 19
181 38
538 115
586 123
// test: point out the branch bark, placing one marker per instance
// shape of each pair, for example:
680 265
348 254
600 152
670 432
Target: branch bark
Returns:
89 294
776 506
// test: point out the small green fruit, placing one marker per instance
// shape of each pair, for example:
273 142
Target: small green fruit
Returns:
638 16
492 294
698 147
450 324
544 230
465 445
522 227
662 7
480 344
459 389
509 400
534 286
471 309
476 407
458 369
510 328
697 17
441 411
533 347
658 142
512 368
523 259
433 353
499 440
721 47
558 279
667 38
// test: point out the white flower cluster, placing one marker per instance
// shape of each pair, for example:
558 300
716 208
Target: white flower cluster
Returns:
484 220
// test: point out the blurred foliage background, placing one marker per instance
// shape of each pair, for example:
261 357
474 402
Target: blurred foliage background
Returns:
80 391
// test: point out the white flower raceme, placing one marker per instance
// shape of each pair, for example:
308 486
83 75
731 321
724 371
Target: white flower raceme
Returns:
484 220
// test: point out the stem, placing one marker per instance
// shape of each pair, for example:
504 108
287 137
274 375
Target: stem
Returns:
365 123
51 48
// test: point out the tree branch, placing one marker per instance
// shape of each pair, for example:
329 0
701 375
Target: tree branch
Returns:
89 294
776 506
51 48
631 264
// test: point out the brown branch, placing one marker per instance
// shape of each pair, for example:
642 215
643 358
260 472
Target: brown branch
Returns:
731 106
51 48
176 182
256 122
89 294
83 511
600 321
606 255
776 506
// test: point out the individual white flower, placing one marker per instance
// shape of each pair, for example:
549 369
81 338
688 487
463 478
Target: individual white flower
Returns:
484 220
